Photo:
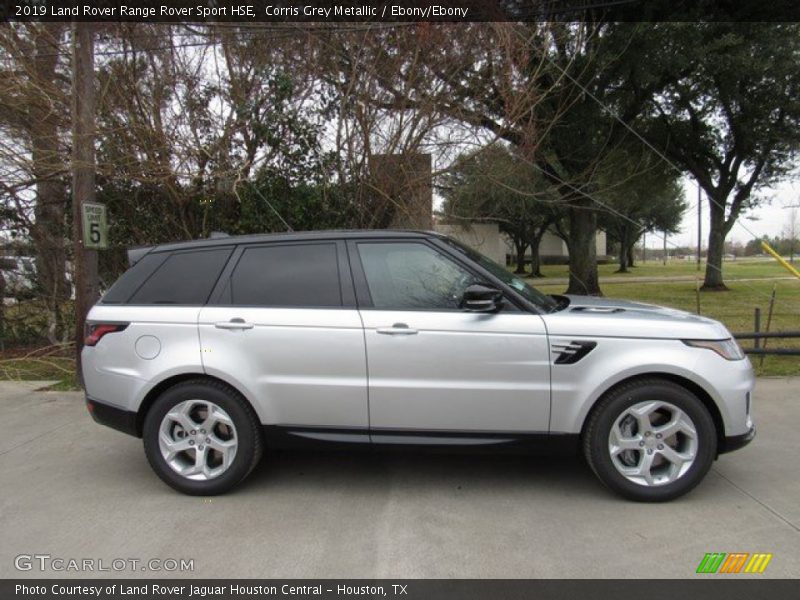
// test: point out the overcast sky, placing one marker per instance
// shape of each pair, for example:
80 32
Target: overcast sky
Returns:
767 219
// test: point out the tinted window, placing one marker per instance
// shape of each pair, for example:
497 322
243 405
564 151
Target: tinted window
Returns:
183 278
131 279
302 275
412 276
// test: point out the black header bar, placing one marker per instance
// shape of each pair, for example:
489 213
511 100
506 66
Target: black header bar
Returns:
389 11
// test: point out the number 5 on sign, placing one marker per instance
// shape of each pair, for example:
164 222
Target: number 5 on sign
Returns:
95 227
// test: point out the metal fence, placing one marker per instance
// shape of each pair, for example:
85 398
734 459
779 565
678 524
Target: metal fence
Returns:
759 348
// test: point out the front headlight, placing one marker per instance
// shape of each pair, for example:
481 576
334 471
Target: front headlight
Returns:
727 349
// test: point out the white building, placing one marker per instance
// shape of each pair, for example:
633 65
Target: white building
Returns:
489 240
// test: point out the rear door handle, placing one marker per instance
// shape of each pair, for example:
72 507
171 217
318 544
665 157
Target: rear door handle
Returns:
397 329
234 324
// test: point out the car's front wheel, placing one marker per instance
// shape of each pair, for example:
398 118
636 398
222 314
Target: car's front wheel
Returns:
650 440
201 437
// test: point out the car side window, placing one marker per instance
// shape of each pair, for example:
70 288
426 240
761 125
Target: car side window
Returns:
290 275
412 276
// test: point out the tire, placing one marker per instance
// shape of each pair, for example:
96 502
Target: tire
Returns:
650 440
194 460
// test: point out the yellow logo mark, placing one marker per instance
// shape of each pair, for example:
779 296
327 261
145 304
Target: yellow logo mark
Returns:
758 563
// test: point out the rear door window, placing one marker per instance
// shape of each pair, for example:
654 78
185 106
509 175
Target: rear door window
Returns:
287 275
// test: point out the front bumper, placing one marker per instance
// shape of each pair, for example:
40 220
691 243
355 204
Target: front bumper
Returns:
113 416
734 442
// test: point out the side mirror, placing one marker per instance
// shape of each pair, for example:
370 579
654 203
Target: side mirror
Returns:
479 297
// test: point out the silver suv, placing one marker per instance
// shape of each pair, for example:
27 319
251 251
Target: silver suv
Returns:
215 351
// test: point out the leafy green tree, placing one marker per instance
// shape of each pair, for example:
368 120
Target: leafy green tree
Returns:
494 185
558 93
729 113
271 202
642 193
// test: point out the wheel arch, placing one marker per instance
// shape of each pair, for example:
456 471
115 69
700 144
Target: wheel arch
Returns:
152 395
702 394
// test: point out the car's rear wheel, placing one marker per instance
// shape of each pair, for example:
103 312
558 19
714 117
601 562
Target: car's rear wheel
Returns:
650 440
201 437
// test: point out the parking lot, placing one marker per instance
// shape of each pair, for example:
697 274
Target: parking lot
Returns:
74 489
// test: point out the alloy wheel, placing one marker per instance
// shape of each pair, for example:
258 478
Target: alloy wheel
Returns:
653 443
198 440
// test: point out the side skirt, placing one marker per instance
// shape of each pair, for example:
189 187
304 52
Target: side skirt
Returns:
320 438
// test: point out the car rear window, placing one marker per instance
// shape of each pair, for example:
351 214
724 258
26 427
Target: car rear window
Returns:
133 278
182 278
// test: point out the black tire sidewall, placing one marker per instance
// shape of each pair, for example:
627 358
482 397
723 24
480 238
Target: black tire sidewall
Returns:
243 421
600 458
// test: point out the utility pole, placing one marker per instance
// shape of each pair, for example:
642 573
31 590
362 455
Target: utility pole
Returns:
665 247
83 173
699 224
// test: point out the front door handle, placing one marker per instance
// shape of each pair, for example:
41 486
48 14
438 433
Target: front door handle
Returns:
234 324
397 329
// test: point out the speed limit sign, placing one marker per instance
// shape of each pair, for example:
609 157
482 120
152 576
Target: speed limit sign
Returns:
95 228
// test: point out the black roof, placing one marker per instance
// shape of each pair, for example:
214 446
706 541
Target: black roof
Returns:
135 254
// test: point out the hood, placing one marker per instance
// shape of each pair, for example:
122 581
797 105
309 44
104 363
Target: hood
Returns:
591 315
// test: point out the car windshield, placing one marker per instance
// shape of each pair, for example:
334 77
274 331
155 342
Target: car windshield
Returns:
542 301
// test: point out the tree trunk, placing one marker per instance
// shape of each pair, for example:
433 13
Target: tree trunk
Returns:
716 248
520 246
631 254
623 253
582 250
536 261
49 230
2 308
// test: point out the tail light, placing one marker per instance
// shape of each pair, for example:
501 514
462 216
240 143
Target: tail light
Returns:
96 331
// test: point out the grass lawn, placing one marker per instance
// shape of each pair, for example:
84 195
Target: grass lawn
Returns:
734 269
734 308
35 364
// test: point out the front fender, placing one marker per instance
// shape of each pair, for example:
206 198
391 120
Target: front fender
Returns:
577 388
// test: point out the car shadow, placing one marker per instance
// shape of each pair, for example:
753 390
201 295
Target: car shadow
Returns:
423 470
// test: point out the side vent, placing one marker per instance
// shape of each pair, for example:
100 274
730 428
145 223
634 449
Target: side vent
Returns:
569 354
598 309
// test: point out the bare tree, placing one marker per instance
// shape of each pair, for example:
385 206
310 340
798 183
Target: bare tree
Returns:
34 111
373 76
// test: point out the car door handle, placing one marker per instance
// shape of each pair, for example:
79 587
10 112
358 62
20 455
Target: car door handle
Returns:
397 329
234 324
